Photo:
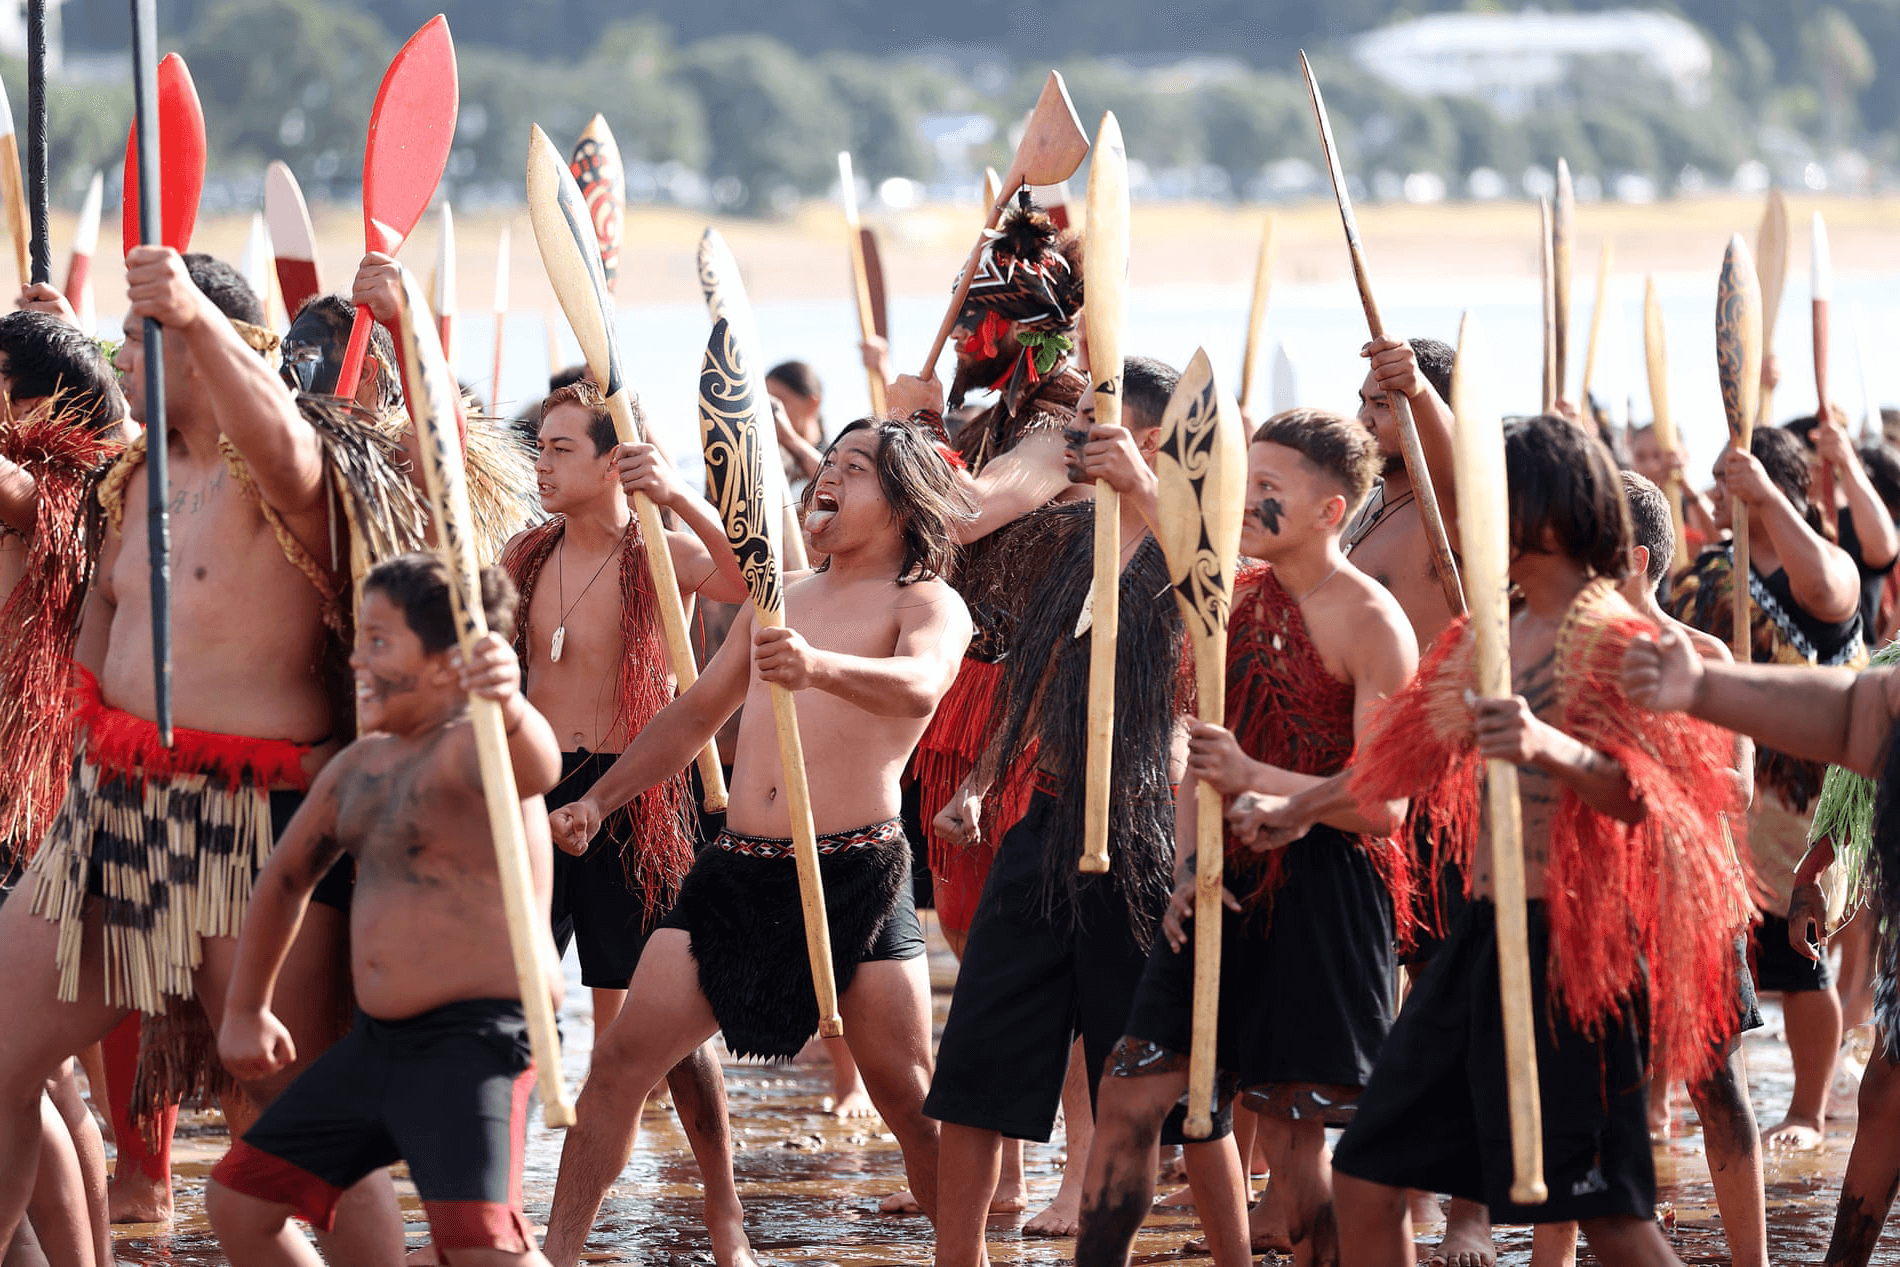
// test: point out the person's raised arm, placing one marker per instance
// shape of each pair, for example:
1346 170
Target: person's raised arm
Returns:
703 561
1820 575
1395 369
1012 484
933 631
248 400
251 1041
666 744
19 498
1879 542
1111 454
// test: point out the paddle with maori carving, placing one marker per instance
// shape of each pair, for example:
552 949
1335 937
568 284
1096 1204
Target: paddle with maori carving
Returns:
1738 362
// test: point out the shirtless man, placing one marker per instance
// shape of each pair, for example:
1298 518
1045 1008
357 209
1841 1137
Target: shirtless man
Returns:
871 643
252 711
1307 967
436 1069
596 668
1604 974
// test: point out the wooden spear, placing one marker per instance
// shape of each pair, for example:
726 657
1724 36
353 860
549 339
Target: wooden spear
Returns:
1563 230
1822 279
1253 352
1771 263
860 279
1738 345
504 250
1553 386
40 261
1604 258
1656 357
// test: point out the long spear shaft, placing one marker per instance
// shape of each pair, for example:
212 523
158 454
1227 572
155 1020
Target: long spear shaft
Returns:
41 251
158 479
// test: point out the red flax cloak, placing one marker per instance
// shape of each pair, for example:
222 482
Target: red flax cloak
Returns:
1654 904
659 848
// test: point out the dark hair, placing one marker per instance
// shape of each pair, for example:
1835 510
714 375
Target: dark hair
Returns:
1649 520
921 489
418 583
45 356
1784 457
1147 386
337 315
1340 449
1436 361
600 423
566 377
1882 464
798 377
225 287
1563 484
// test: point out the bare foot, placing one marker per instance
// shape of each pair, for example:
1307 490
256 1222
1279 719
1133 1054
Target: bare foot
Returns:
1426 1212
903 1202
1794 1136
136 1198
1179 1197
1266 1224
1467 1240
1062 1216
852 1104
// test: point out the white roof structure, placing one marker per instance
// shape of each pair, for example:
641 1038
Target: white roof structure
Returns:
1508 59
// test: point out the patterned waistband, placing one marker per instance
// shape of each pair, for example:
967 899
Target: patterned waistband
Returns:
837 842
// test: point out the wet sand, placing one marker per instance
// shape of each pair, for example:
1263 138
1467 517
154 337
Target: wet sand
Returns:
810 1182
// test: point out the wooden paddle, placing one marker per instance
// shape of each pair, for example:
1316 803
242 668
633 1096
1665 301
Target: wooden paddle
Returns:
1484 534
1053 146
1738 344
1201 487
168 121
434 399
1252 352
1563 230
292 238
1604 258
1823 292
1104 282
860 274
504 248
410 130
1412 450
1552 384
874 282
563 230
1656 356
40 262
741 448
446 298
993 185
78 289
595 164
724 288
254 264
13 186
1771 262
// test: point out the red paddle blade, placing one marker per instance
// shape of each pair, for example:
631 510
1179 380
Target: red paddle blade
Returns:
181 156
410 132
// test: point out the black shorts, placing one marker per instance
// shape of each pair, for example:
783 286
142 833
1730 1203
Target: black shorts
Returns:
1436 1115
594 904
1026 987
1778 967
1307 975
1438 898
446 1092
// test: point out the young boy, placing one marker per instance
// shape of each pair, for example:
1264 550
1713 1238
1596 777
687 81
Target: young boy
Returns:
436 1070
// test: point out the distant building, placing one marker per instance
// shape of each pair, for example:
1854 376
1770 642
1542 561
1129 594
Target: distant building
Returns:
1513 60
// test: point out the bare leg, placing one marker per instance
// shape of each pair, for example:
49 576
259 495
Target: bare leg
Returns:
886 1014
1064 1214
1732 1141
1375 1223
1629 1242
25 1250
92 1063
969 1159
1303 1172
848 1098
1554 1245
607 1005
90 1150
1219 1185
57 1207
141 1187
1467 1240
671 1018
256 1233
699 1097
1814 1039
1122 1161
1269 1223
1873 1168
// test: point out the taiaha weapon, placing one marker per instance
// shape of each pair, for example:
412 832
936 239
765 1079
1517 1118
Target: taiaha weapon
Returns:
874 282
1201 482
741 449
563 230
293 241
410 130
860 280
726 298
595 164
1738 344
13 186
504 248
1604 259
1484 535
254 263
444 301
1771 269
433 402
164 155
40 262
1656 356
1563 229
85 243
1053 146
1257 317
993 184
1105 283
1870 424
1823 292
1553 386
1410 448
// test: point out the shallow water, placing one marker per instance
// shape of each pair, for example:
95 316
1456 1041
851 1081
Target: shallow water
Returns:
810 1183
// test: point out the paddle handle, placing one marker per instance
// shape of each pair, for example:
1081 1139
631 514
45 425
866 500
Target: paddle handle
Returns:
963 283
1821 414
1596 323
41 252
666 593
151 204
1105 623
1514 982
1739 641
351 372
1210 842
1257 316
811 884
1656 362
494 377
1553 384
867 322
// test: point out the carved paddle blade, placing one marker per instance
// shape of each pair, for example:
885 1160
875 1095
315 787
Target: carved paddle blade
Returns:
1738 339
1053 144
410 131
293 240
1201 483
570 251
597 169
181 156
735 465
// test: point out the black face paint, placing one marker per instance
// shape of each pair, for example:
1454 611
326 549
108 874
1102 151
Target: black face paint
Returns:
381 688
1269 511
313 354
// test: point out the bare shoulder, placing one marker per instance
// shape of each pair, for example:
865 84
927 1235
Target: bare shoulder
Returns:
933 594
1708 646
1376 615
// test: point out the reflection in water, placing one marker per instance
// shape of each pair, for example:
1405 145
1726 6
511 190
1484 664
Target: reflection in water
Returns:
810 1183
